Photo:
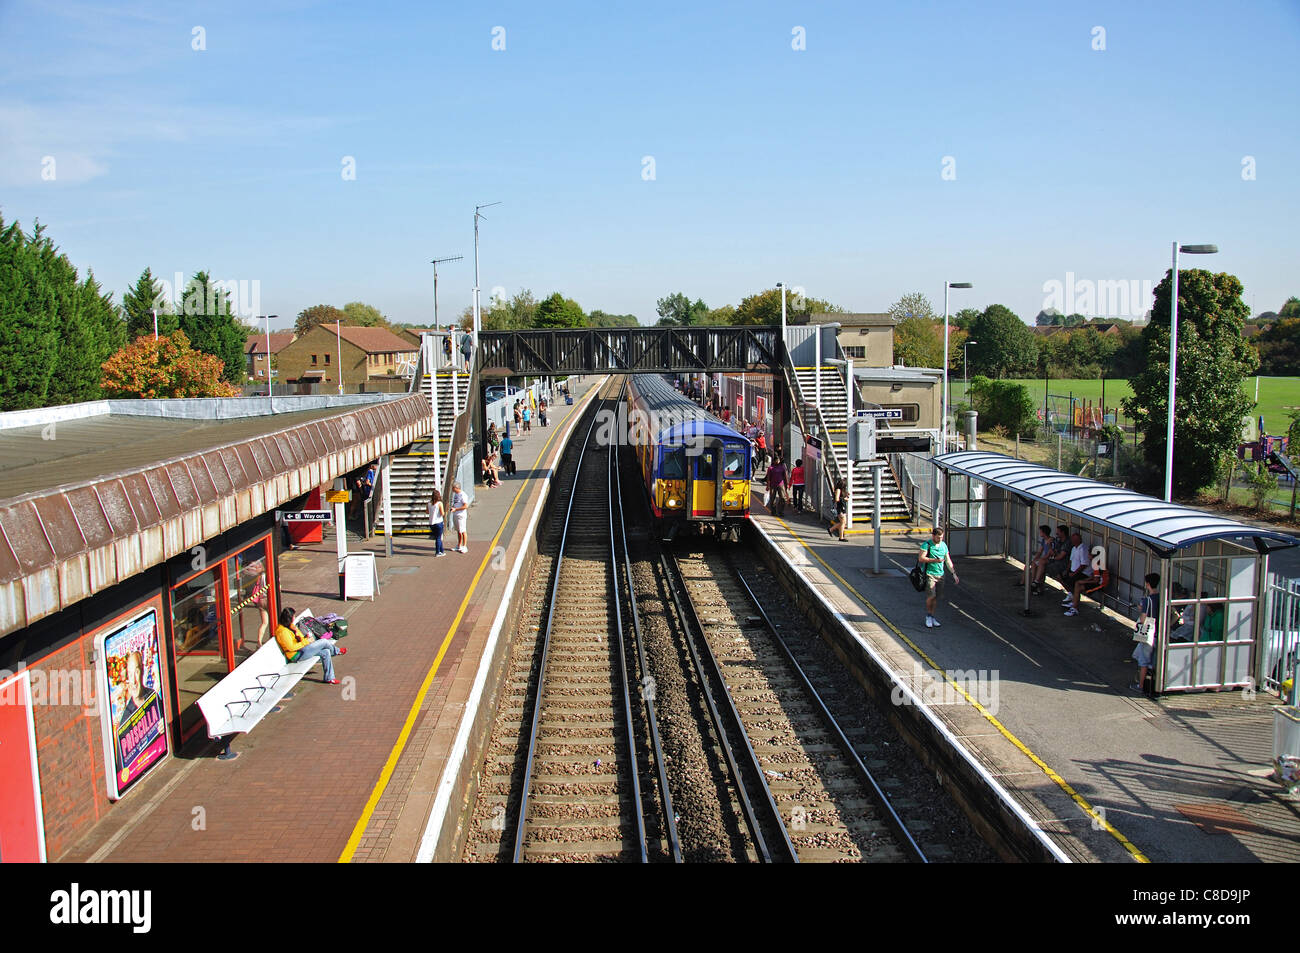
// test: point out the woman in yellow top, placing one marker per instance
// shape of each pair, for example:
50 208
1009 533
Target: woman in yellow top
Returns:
297 646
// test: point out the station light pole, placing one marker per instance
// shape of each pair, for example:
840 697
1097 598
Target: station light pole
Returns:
477 215
1173 361
270 392
943 423
436 263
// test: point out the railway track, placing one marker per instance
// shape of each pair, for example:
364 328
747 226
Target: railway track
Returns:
574 733
806 791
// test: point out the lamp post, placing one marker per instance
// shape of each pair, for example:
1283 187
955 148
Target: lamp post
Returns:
338 343
154 312
965 366
781 285
436 263
477 215
1173 361
270 393
943 440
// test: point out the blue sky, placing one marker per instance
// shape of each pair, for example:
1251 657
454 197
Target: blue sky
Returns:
821 167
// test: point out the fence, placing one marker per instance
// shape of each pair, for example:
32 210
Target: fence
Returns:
917 481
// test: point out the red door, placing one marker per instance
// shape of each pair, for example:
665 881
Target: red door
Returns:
22 835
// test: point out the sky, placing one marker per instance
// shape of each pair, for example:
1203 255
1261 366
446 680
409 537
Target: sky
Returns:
326 152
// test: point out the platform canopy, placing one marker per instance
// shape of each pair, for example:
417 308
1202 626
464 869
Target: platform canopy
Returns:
1165 527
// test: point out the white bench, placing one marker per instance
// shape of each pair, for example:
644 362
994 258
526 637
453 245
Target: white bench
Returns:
244 697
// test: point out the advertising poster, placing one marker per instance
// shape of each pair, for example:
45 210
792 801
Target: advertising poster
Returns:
130 681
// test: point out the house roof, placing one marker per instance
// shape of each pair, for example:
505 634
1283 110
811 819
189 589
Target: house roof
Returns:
372 340
257 343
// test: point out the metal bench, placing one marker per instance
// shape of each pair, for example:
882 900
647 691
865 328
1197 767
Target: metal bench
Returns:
243 698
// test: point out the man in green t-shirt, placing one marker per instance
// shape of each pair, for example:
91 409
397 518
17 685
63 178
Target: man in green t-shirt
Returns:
934 557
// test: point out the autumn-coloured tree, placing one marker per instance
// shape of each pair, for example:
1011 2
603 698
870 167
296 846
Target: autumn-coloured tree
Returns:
165 367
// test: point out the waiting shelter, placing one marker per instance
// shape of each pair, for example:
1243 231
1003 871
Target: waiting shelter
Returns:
1213 630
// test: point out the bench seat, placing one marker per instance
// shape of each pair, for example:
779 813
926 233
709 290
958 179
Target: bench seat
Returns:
243 698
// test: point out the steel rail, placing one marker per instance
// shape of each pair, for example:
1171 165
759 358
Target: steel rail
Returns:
891 816
690 623
611 476
674 842
522 814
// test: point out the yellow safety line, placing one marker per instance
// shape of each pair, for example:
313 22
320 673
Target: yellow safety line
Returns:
396 754
1002 729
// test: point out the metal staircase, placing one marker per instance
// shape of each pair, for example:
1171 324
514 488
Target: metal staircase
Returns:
422 466
823 399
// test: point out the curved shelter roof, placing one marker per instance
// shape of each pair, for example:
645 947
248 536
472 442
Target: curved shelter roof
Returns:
1165 527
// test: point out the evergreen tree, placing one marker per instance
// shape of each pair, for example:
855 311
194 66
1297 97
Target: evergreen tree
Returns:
1004 344
210 326
1213 358
29 325
139 303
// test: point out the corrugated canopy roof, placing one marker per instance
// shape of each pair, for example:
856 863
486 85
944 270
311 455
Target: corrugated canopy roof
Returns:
1163 526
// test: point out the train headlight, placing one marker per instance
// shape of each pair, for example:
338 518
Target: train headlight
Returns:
673 501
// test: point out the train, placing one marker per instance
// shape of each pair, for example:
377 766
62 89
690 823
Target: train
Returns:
680 448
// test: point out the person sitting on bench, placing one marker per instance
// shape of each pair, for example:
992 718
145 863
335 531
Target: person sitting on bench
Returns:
297 646
1080 572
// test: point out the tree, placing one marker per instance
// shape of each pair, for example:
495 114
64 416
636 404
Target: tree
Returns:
1003 404
29 324
55 329
308 318
918 342
1291 309
1279 348
964 318
166 367
141 301
359 315
1004 344
724 315
914 305
208 323
558 311
673 309
600 319
1213 358
765 308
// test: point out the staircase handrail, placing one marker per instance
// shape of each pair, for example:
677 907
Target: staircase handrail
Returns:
792 384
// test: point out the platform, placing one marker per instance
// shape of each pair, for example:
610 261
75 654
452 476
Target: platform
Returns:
350 772
1109 774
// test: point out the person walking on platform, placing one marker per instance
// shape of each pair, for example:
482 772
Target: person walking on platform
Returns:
796 485
776 479
935 558
1144 651
437 517
541 411
507 456
840 525
528 418
460 515
466 348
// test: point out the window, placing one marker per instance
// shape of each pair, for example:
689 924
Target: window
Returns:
856 352
733 467
313 358
327 360
250 599
262 373
196 638
674 465
911 412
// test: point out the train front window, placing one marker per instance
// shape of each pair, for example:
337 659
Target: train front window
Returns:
704 468
674 465
733 467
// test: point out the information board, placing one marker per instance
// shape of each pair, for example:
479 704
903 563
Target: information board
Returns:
882 413
360 576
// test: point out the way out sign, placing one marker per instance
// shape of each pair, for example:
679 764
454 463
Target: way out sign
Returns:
306 516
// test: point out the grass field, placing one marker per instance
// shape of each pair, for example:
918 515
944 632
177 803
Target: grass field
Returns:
1276 395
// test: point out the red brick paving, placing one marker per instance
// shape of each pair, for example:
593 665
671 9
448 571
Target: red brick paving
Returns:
305 774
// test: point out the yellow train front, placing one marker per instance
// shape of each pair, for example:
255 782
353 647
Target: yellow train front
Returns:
681 450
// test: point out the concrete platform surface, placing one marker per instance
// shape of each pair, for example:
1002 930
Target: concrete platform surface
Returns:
349 772
1111 774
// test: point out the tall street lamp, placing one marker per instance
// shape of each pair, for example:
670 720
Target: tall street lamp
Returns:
269 391
781 285
1173 361
943 440
477 215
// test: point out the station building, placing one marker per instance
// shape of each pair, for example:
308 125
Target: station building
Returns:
138 566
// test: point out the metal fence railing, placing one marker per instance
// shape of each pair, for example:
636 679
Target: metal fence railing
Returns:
1280 656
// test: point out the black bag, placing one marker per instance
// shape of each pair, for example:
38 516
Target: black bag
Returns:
917 575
